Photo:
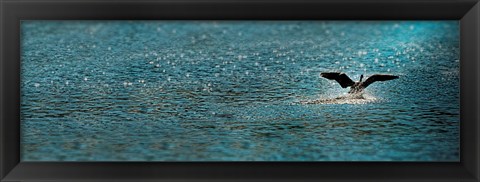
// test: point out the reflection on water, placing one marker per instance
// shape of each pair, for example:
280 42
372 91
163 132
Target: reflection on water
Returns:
238 91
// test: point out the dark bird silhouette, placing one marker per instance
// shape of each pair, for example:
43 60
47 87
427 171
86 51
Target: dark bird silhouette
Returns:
356 87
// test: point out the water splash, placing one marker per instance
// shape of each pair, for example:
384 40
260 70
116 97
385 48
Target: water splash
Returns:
360 98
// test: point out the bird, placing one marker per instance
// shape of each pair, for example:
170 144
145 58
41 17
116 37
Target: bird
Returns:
356 87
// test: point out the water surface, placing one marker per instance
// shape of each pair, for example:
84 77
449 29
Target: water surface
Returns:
233 91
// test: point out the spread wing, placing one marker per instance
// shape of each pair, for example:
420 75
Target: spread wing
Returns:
341 78
378 77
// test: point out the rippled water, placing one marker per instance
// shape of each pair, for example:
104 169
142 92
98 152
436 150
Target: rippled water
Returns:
238 91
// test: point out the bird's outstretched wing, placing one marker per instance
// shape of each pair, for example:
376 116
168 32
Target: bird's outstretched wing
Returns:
378 77
341 78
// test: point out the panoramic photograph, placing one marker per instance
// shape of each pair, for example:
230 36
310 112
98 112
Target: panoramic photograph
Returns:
240 91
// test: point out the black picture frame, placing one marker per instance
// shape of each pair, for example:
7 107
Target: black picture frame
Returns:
13 11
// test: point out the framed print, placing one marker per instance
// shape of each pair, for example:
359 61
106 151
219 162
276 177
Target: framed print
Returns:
239 90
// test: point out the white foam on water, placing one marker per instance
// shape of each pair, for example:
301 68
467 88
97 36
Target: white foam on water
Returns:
361 98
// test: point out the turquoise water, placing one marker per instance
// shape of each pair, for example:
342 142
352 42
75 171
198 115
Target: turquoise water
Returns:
233 91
